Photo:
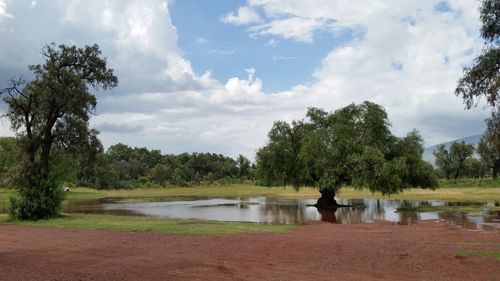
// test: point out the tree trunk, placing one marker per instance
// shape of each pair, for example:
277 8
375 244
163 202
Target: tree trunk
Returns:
495 168
44 159
327 200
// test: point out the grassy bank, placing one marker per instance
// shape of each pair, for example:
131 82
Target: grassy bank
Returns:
461 209
134 224
458 183
472 194
469 194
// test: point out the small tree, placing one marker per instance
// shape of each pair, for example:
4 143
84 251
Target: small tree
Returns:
352 146
50 111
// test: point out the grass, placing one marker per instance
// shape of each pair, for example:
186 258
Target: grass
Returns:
469 194
479 253
147 224
486 244
458 183
461 209
480 249
234 190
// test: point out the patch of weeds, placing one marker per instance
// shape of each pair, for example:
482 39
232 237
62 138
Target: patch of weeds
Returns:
479 253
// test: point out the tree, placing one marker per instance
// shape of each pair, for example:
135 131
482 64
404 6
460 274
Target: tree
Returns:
50 111
459 152
9 153
451 163
489 145
351 146
443 161
243 167
483 77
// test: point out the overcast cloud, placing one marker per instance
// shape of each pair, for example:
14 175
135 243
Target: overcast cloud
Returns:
405 55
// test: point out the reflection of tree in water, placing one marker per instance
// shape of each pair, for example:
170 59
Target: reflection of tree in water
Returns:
470 221
275 211
347 215
407 217
328 215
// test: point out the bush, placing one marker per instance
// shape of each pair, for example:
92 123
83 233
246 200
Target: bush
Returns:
38 202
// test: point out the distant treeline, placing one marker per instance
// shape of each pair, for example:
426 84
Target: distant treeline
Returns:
463 160
122 166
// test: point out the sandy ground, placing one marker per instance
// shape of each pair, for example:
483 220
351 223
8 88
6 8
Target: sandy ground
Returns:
318 251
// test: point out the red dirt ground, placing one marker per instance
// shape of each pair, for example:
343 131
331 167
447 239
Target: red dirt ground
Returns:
318 251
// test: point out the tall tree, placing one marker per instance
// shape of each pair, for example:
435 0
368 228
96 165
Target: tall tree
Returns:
459 152
351 146
50 111
489 145
443 161
483 77
243 166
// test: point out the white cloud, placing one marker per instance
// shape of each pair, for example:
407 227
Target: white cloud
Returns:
200 41
276 57
296 28
162 103
244 15
4 14
272 43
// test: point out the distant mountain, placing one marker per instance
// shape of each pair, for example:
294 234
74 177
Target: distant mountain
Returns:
428 151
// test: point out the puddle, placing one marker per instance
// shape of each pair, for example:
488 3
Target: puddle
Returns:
287 211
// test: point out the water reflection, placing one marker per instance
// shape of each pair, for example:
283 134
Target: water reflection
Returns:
289 211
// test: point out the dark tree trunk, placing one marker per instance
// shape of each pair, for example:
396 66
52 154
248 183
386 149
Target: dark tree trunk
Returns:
495 168
44 159
327 200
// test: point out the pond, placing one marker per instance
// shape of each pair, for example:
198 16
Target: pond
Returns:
289 211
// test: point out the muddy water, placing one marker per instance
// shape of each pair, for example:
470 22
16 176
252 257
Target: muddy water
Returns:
287 211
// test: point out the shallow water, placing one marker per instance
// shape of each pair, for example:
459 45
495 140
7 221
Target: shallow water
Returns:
288 211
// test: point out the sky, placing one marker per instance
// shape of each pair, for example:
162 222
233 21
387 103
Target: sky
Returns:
213 76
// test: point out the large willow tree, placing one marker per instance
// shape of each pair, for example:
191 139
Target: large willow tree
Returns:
50 113
351 146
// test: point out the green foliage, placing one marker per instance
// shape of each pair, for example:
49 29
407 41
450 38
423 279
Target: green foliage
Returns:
352 146
51 114
9 155
452 163
483 77
41 202
489 145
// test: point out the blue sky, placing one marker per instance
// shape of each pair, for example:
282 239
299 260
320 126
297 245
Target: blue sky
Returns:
213 76
227 50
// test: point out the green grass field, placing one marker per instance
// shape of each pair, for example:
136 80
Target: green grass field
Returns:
133 224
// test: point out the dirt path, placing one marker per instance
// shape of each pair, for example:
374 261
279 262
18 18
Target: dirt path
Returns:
320 251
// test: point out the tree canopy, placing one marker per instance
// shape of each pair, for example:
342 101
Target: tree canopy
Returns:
52 111
452 163
351 146
482 79
489 145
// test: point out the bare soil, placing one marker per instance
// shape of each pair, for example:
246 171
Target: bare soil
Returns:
318 251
